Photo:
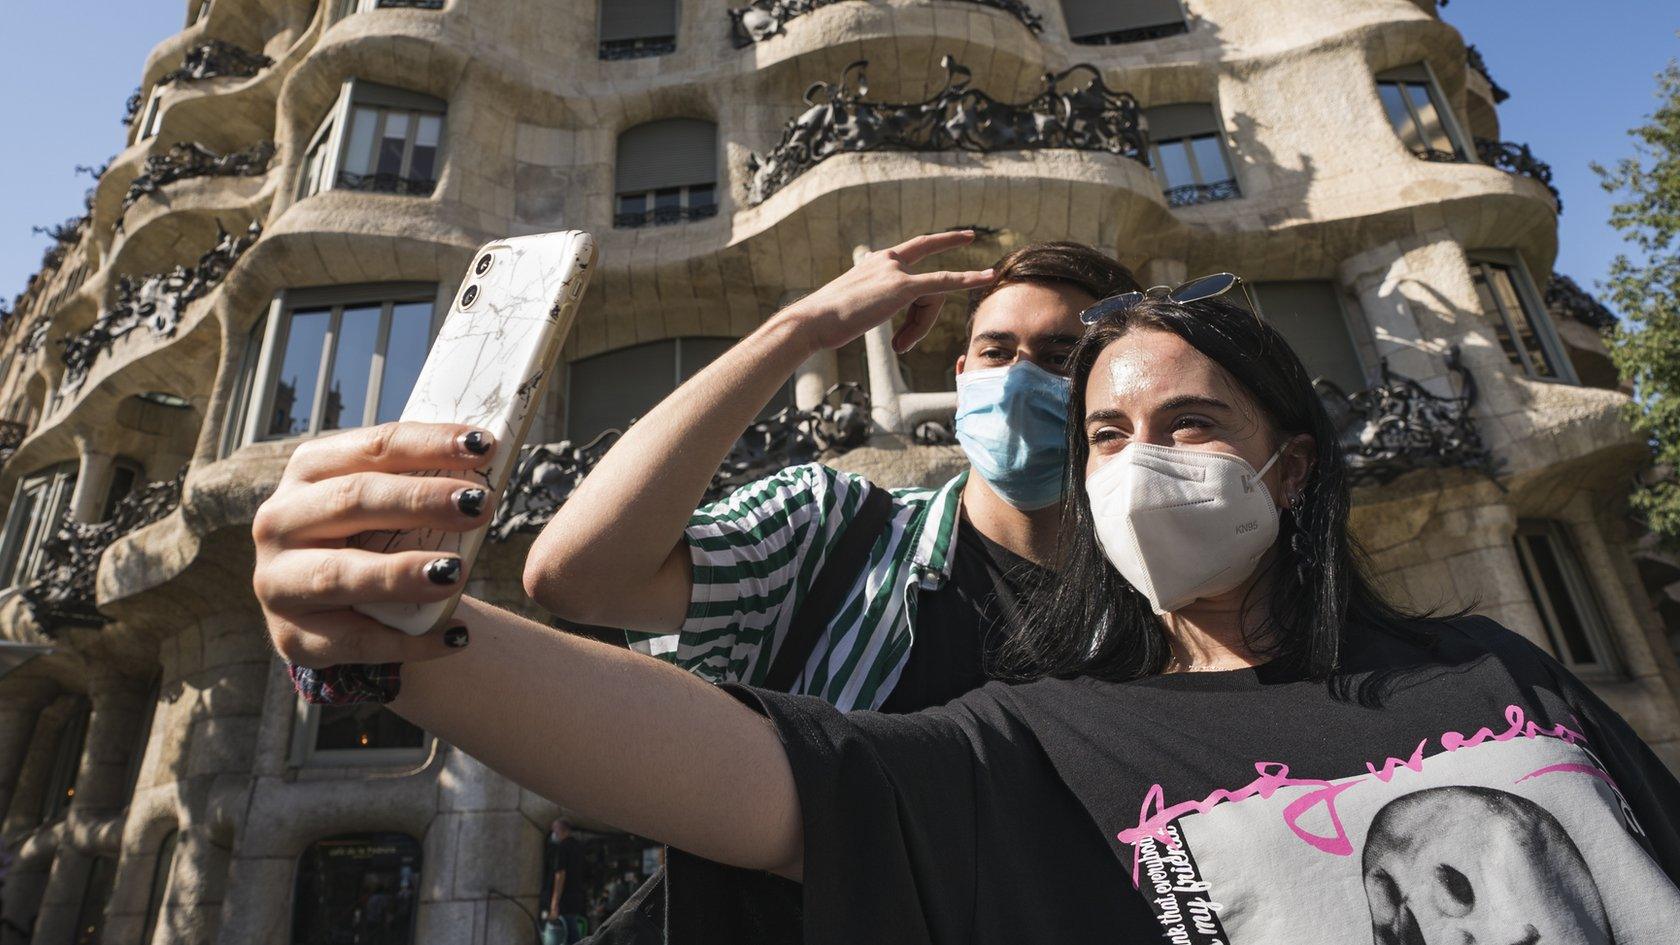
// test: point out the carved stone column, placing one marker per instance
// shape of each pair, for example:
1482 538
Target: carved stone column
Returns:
93 482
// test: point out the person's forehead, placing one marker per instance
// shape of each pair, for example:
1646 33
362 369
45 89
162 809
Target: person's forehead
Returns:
1146 367
1024 309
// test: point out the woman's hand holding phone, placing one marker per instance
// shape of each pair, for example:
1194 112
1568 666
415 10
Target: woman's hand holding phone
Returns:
307 575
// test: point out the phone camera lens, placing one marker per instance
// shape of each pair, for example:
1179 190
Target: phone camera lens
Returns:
469 296
483 265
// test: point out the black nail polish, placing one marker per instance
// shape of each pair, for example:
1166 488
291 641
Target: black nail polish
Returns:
455 637
443 570
470 501
476 441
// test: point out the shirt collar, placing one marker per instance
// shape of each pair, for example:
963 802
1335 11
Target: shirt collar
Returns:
936 541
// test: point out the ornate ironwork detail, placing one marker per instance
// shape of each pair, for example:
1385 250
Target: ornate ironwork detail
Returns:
1188 195
36 336
155 301
1088 117
547 474
188 159
11 437
216 59
1437 156
387 183
131 108
762 19
1399 426
63 592
1135 35
64 237
1566 299
640 48
659 216
1517 159
1473 59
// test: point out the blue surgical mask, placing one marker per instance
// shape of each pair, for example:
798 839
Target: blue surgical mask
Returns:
1012 423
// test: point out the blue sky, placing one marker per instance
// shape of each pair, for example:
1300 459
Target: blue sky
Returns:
1580 74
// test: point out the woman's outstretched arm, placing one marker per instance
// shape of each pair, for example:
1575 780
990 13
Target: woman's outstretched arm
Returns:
608 732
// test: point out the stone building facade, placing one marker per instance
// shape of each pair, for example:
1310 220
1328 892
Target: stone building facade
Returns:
303 184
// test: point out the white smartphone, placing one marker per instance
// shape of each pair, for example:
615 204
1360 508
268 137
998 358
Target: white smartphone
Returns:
488 368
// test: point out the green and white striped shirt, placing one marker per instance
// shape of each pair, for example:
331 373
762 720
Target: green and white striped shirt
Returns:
756 553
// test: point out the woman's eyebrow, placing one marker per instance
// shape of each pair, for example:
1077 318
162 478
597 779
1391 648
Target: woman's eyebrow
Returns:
1192 400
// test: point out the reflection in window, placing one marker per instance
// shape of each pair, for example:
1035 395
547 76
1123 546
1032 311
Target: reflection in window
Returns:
1561 593
377 138
96 895
359 888
160 883
607 391
1187 150
346 365
1415 109
1518 319
666 172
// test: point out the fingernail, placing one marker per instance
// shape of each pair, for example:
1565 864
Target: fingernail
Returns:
477 442
455 637
443 570
470 501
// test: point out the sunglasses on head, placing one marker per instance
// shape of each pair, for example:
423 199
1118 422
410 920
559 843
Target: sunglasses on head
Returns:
1205 287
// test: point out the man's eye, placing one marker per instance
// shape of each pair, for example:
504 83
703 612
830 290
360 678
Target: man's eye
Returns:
994 353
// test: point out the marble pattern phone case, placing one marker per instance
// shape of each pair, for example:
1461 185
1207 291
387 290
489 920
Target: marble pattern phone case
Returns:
487 368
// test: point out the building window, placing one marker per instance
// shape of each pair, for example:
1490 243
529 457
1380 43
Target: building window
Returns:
359 887
666 172
125 474
1561 593
1510 302
36 511
1187 150
362 734
343 8
67 761
1310 317
151 120
633 29
233 430
1109 22
377 139
96 895
607 391
1418 112
160 883
339 358
203 12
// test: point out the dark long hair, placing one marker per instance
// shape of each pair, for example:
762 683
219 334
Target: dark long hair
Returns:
1092 622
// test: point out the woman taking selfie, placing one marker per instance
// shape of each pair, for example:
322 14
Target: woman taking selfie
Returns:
1219 730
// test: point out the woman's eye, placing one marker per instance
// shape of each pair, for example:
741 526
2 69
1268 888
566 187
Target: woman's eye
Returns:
1192 423
1105 435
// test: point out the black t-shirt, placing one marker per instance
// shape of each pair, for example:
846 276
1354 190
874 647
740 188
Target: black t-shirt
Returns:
565 855
1467 791
962 623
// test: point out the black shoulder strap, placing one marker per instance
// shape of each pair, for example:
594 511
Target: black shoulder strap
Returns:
846 559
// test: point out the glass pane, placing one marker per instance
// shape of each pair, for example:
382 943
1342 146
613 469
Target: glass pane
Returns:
300 367
1480 274
365 725
58 496
1567 630
122 483
23 522
702 195
1398 115
358 335
422 165
1527 334
405 352
1433 131
312 164
392 143
1175 164
1210 159
667 198
358 154
90 918
608 390
357 888
1309 316
160 883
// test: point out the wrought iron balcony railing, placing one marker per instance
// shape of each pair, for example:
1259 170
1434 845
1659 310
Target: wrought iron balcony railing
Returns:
1088 117
639 48
1191 194
387 183
155 301
216 59
1400 425
1473 59
659 216
762 19
11 436
1518 159
189 159
62 594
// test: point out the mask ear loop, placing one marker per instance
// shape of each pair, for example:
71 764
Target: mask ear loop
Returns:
1249 482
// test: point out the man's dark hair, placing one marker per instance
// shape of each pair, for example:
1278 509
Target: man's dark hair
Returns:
1086 268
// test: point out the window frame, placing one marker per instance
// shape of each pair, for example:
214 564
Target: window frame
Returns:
1136 34
59 791
20 552
1595 624
332 136
649 215
306 726
157 895
1528 295
151 116
782 398
1351 326
335 299
1463 152
1220 136
636 47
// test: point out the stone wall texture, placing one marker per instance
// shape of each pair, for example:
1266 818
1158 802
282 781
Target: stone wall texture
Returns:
190 732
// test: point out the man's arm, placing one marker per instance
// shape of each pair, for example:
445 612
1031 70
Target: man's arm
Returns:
614 553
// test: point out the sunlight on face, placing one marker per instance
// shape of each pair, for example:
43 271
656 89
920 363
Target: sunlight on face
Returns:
1026 321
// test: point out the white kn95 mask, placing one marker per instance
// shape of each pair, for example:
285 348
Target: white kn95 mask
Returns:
1182 524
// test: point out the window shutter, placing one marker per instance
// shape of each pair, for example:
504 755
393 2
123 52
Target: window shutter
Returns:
1169 122
637 19
1309 316
675 152
1096 17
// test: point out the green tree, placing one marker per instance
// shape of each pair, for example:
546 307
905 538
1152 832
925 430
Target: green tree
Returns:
1644 285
